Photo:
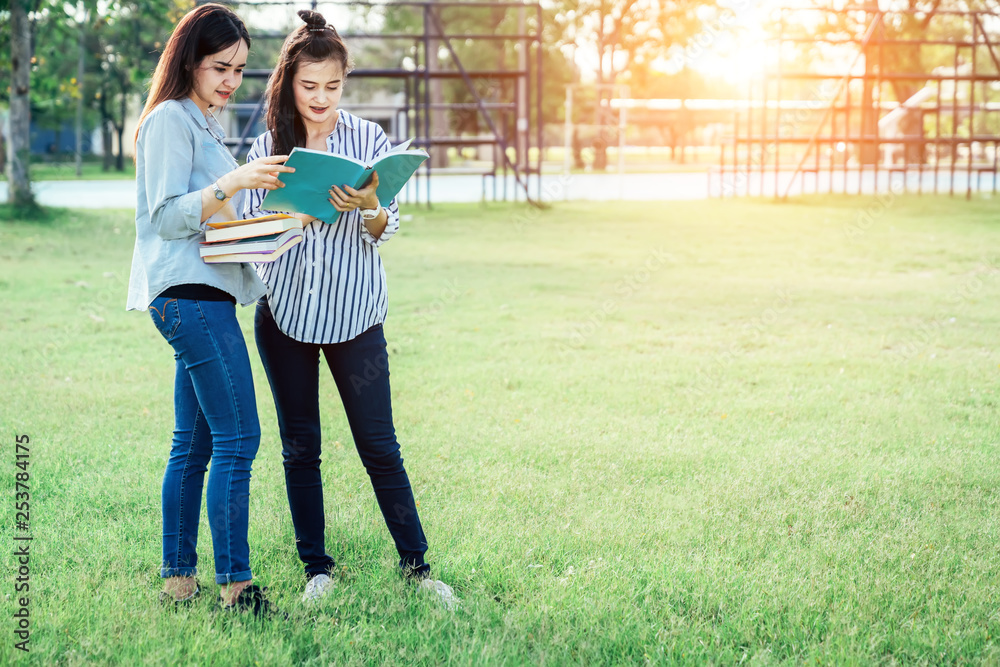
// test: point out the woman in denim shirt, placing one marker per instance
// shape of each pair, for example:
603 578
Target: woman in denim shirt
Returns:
185 177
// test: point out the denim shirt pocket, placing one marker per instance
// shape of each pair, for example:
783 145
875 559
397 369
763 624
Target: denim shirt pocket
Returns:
166 316
218 160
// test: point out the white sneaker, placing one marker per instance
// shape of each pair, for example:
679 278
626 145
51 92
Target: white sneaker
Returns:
317 587
442 590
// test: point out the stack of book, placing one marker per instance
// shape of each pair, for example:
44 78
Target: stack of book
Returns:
262 239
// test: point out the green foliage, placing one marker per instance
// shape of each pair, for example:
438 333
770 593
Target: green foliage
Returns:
622 35
695 433
121 45
926 23
54 85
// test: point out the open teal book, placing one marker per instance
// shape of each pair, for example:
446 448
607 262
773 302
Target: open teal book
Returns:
307 190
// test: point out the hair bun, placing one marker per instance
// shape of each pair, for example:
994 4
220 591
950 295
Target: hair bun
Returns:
314 20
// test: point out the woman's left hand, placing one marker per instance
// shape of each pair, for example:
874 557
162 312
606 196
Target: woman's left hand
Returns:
348 199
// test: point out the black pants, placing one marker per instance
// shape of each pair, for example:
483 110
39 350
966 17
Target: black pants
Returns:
360 368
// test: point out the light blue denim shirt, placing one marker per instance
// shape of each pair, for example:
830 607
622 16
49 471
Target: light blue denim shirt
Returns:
179 152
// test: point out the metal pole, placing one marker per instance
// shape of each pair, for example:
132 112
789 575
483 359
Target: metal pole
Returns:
954 125
937 134
521 133
972 111
777 111
763 136
568 137
621 142
427 99
539 72
833 147
878 114
847 130
749 133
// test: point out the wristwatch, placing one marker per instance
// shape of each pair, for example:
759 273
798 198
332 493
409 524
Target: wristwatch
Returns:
219 194
371 213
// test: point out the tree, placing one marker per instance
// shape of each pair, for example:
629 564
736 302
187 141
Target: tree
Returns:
617 35
116 46
128 37
19 142
55 88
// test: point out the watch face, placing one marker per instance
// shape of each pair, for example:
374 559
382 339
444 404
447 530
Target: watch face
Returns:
220 195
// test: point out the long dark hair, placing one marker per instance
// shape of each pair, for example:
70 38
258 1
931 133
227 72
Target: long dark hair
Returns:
313 42
203 31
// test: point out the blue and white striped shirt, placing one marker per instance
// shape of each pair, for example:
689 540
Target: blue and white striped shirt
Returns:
331 287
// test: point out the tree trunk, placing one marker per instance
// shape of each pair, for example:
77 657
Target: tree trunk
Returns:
523 113
106 138
119 158
600 120
577 147
108 141
19 150
81 59
868 150
120 128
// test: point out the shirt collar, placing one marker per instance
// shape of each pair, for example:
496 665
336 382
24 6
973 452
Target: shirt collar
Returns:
210 122
194 111
345 119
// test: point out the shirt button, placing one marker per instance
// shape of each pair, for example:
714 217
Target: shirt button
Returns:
312 291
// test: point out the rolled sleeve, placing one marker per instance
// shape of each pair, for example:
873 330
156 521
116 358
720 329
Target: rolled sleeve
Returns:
256 197
391 226
174 211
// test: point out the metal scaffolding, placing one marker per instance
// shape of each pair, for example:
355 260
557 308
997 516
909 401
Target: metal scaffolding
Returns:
851 131
512 112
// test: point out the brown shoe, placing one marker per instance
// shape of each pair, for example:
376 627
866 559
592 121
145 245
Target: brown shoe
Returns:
168 599
251 599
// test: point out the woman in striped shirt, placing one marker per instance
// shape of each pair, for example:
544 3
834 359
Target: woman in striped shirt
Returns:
328 294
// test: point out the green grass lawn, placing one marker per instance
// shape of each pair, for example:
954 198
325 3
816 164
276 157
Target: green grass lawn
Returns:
683 433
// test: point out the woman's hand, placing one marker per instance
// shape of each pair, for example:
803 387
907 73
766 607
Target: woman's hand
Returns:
348 199
261 173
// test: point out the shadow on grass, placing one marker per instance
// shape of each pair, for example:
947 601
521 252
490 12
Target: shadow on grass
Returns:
32 213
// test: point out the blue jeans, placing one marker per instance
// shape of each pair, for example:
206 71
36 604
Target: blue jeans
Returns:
360 367
215 417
